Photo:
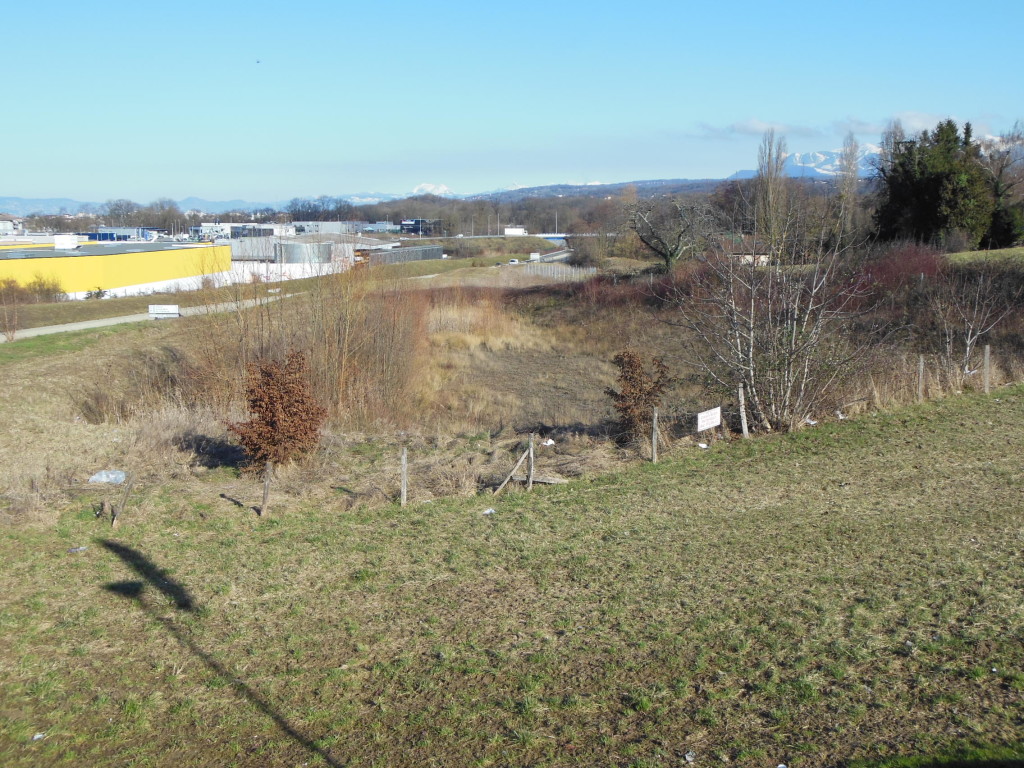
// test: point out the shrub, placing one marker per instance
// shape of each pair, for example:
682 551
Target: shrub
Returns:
46 289
286 418
903 264
639 392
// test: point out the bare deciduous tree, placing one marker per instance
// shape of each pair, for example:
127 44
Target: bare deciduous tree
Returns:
847 185
771 194
966 307
674 229
777 316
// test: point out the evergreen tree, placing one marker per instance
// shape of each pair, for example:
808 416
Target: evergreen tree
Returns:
934 189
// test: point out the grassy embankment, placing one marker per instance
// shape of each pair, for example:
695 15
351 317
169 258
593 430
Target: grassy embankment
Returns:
1001 257
848 592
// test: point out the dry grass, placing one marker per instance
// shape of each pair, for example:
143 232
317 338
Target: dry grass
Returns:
454 363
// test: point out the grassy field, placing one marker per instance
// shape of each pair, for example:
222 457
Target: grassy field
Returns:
1003 256
847 593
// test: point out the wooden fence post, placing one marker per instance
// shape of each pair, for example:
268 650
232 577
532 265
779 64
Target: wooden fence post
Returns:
529 470
654 437
405 474
743 413
920 378
267 471
988 369
510 474
116 511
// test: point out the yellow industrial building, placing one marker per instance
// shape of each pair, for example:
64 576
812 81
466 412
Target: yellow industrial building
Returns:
119 269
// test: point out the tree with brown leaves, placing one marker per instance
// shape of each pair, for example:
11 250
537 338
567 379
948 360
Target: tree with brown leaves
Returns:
639 392
286 418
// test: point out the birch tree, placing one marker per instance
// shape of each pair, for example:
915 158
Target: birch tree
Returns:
777 316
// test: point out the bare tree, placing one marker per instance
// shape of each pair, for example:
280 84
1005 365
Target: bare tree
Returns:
1003 159
777 317
847 184
120 213
771 194
674 229
967 306
893 138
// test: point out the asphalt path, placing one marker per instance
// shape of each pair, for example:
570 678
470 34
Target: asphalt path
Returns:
103 322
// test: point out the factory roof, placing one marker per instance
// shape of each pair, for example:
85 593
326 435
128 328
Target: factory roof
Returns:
93 249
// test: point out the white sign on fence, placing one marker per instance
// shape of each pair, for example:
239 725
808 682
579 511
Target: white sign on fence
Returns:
709 419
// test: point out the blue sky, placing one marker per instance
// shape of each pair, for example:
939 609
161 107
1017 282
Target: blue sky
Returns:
268 101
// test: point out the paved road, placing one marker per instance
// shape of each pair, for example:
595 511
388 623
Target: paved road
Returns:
102 322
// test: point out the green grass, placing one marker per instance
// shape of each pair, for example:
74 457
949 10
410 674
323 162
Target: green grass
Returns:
426 267
57 343
37 315
847 593
1006 256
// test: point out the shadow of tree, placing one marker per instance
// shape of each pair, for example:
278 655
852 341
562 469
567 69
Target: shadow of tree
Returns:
159 579
211 452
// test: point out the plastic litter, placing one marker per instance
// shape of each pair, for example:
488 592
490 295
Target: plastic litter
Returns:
549 441
811 421
75 550
115 476
39 736
490 511
690 756
702 446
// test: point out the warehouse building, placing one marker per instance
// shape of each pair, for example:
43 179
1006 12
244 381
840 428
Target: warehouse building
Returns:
118 269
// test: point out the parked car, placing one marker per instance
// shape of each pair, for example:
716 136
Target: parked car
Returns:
513 261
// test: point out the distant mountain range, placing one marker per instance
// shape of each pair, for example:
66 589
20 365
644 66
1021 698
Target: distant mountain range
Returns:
806 165
822 165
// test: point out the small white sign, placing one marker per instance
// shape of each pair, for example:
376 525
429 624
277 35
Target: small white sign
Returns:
158 311
709 419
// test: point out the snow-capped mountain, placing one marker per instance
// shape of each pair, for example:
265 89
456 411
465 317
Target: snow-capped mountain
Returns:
440 190
823 164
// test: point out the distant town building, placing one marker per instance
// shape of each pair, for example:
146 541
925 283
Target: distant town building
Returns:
9 225
125 233
421 227
230 231
329 227
383 226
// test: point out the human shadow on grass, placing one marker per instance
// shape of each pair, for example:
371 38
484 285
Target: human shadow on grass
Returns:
155 577
148 571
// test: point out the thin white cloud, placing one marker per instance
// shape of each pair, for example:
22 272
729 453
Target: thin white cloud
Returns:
915 122
754 127
858 127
